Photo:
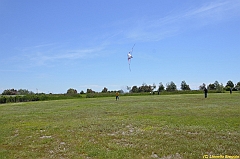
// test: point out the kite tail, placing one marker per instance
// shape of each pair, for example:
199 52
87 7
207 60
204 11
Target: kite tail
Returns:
129 68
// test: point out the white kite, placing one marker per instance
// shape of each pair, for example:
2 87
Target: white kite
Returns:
129 55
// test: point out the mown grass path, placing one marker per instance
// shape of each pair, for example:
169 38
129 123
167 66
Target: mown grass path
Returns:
177 126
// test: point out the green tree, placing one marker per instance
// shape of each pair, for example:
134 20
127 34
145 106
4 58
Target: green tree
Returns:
216 83
214 86
9 92
90 91
161 87
82 92
238 86
211 87
145 88
24 92
171 86
184 86
154 86
219 87
71 91
229 85
104 90
134 89
121 91
201 87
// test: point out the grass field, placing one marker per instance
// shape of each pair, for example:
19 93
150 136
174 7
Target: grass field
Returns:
159 126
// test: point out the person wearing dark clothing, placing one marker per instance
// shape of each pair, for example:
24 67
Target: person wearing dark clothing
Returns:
117 96
230 90
205 92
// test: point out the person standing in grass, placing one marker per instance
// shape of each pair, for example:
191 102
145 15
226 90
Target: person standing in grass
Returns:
205 92
117 96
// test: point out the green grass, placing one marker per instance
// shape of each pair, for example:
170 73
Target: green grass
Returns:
177 126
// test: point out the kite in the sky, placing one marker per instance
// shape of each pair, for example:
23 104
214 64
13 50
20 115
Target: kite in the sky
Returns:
129 55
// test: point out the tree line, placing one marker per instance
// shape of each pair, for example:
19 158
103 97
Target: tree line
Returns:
170 87
24 95
16 92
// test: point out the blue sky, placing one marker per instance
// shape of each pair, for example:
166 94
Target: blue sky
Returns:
51 46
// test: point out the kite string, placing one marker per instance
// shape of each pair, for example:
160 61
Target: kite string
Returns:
132 48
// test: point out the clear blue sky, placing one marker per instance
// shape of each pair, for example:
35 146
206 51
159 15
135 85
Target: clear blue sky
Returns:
54 45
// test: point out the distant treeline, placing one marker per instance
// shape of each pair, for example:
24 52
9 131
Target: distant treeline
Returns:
45 97
23 95
164 92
